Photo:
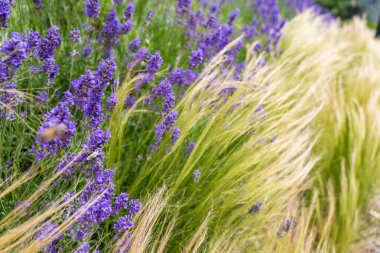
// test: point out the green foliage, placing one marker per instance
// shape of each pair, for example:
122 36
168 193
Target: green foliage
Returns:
344 9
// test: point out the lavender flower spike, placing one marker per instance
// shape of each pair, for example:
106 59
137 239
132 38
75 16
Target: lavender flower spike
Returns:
74 35
5 12
92 8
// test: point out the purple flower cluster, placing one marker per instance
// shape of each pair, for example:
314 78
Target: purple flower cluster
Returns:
286 226
102 190
58 116
46 231
49 44
256 207
155 62
98 198
196 176
134 45
271 23
83 248
182 77
43 49
5 12
92 8
190 148
9 99
113 29
162 128
111 102
123 223
175 135
75 35
141 55
89 91
129 10
15 50
196 58
37 4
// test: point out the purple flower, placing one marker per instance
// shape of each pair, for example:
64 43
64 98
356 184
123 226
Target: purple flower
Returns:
141 55
42 97
123 223
111 30
162 128
192 24
47 230
37 4
86 51
126 27
51 145
258 47
67 100
101 188
74 35
190 148
183 6
288 224
15 49
11 99
117 2
81 89
88 28
4 71
49 44
5 12
214 7
97 140
92 8
134 45
111 102
255 208
83 248
129 101
129 10
33 41
233 15
50 68
135 206
121 202
90 91
150 15
196 58
164 90
154 63
196 176
175 135
211 23
105 71
182 77
271 24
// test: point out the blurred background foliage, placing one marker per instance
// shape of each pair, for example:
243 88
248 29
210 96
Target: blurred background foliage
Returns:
346 9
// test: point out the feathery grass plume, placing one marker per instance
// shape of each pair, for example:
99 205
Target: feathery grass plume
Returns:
301 96
139 240
252 145
347 174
